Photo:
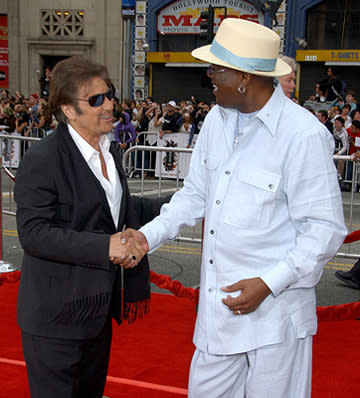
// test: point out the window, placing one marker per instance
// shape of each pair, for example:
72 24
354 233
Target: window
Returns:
62 23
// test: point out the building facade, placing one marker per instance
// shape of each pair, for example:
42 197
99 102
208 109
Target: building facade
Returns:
146 44
38 33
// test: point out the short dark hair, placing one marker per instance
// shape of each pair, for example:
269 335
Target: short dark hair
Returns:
351 92
340 119
67 77
352 113
356 123
323 113
347 106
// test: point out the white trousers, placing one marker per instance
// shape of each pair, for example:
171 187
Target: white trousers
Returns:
276 371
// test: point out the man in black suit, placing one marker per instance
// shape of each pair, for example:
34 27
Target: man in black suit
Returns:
72 199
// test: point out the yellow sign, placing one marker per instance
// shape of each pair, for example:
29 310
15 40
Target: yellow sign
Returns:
328 55
164 57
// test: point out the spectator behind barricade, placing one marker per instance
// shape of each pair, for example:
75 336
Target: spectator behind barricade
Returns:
355 115
341 144
333 112
126 106
141 126
143 121
353 133
331 87
288 81
4 104
124 131
323 116
349 99
186 124
133 106
21 119
170 119
4 93
354 145
33 103
43 121
345 114
7 120
156 120
310 109
116 104
19 98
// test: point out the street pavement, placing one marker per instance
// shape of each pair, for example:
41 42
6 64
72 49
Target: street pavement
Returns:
180 259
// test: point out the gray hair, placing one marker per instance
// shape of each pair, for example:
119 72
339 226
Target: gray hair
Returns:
290 61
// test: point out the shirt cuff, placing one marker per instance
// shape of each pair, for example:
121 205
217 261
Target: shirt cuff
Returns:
151 235
279 278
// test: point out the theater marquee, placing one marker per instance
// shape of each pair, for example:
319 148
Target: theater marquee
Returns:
183 16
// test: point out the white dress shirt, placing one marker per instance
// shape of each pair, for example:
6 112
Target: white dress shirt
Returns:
112 186
272 209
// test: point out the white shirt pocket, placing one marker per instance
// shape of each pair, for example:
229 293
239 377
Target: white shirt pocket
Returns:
251 198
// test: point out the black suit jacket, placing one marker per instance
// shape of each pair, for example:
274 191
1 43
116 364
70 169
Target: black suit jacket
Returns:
68 286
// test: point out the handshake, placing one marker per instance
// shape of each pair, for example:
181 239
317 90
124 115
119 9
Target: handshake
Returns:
128 248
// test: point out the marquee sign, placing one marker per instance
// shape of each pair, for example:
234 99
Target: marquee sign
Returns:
183 16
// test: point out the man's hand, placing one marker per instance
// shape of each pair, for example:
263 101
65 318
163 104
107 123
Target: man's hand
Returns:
139 237
126 251
253 293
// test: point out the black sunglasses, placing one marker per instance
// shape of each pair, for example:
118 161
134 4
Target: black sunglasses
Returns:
98 99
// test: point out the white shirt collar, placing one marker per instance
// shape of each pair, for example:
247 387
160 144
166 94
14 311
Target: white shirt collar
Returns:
269 114
85 148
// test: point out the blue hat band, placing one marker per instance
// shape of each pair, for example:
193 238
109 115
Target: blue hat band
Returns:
248 64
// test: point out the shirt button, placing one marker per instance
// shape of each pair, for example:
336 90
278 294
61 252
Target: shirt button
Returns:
271 186
218 202
210 290
227 172
212 232
211 261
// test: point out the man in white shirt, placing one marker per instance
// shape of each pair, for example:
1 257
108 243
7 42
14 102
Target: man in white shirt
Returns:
263 178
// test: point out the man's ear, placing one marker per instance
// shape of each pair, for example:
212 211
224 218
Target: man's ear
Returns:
69 111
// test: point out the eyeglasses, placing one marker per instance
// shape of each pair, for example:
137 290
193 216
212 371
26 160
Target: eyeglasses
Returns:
211 70
98 99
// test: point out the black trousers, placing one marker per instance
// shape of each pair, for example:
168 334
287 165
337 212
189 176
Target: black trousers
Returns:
62 368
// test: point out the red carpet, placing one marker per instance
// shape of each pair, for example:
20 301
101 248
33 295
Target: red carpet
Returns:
151 358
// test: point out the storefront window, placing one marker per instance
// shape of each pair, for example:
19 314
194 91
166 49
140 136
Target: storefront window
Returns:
334 24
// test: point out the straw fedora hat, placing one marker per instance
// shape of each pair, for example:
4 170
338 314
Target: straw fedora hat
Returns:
245 46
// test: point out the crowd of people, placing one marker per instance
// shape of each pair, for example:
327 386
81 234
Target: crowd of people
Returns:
32 117
343 122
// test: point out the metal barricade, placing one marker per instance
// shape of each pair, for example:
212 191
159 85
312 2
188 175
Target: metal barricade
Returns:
134 165
192 234
351 199
351 202
9 162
